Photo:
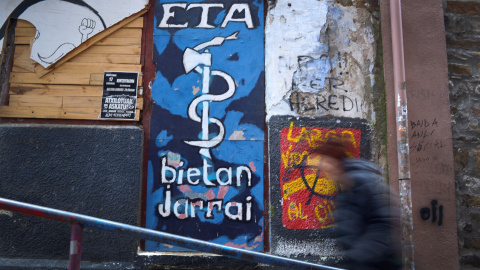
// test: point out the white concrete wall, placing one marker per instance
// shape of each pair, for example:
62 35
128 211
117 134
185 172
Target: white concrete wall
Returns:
319 58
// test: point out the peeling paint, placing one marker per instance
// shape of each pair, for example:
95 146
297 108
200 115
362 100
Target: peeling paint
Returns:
7 213
237 135
174 159
325 247
195 89
315 73
252 166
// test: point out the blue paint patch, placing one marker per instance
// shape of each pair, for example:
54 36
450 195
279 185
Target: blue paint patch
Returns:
162 139
312 74
220 17
335 13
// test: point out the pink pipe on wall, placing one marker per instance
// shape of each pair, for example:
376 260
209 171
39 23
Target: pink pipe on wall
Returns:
401 115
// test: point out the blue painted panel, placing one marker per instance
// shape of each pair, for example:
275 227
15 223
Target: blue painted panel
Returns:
205 171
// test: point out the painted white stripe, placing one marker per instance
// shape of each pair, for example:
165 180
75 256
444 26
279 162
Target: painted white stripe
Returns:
73 247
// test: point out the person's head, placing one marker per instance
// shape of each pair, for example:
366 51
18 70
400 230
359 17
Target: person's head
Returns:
333 148
332 153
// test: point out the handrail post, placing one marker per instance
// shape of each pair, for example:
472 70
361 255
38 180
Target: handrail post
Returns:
75 247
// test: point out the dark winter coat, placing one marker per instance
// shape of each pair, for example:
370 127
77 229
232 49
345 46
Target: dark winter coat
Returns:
364 218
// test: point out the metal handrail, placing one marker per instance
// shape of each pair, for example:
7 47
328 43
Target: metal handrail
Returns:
79 221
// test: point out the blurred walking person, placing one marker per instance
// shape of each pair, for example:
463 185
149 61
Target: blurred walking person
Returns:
364 218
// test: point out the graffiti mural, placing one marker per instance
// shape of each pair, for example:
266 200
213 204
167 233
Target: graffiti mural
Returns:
62 25
205 167
301 196
307 193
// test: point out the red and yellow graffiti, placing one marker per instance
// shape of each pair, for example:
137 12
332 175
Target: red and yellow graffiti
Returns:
308 194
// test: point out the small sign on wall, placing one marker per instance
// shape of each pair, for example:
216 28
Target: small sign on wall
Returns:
119 99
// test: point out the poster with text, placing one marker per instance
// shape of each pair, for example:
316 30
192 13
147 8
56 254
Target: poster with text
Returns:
119 97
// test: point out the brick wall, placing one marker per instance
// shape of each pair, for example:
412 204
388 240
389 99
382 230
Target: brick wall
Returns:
462 26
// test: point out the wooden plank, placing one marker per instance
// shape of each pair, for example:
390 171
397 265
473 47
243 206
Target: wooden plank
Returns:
97 79
89 42
35 101
23 60
127 33
90 102
19 49
30 112
82 102
55 113
55 90
81 113
25 32
113 41
137 23
22 40
6 59
95 68
89 114
132 49
106 58
20 70
23 23
53 78
40 70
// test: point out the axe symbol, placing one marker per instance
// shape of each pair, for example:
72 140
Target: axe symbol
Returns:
194 59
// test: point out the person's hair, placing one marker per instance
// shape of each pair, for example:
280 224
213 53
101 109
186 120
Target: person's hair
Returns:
333 148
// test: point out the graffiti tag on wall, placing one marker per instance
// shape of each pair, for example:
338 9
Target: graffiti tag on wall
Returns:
308 193
205 177
426 142
426 214
316 90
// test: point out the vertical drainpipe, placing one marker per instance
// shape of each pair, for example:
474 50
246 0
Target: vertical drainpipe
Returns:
405 191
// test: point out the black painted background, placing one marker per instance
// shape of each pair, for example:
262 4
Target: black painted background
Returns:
90 170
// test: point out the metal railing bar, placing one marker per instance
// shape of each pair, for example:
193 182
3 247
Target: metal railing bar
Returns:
157 236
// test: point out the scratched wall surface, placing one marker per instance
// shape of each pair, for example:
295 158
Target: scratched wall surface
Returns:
302 197
322 65
322 80
205 166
